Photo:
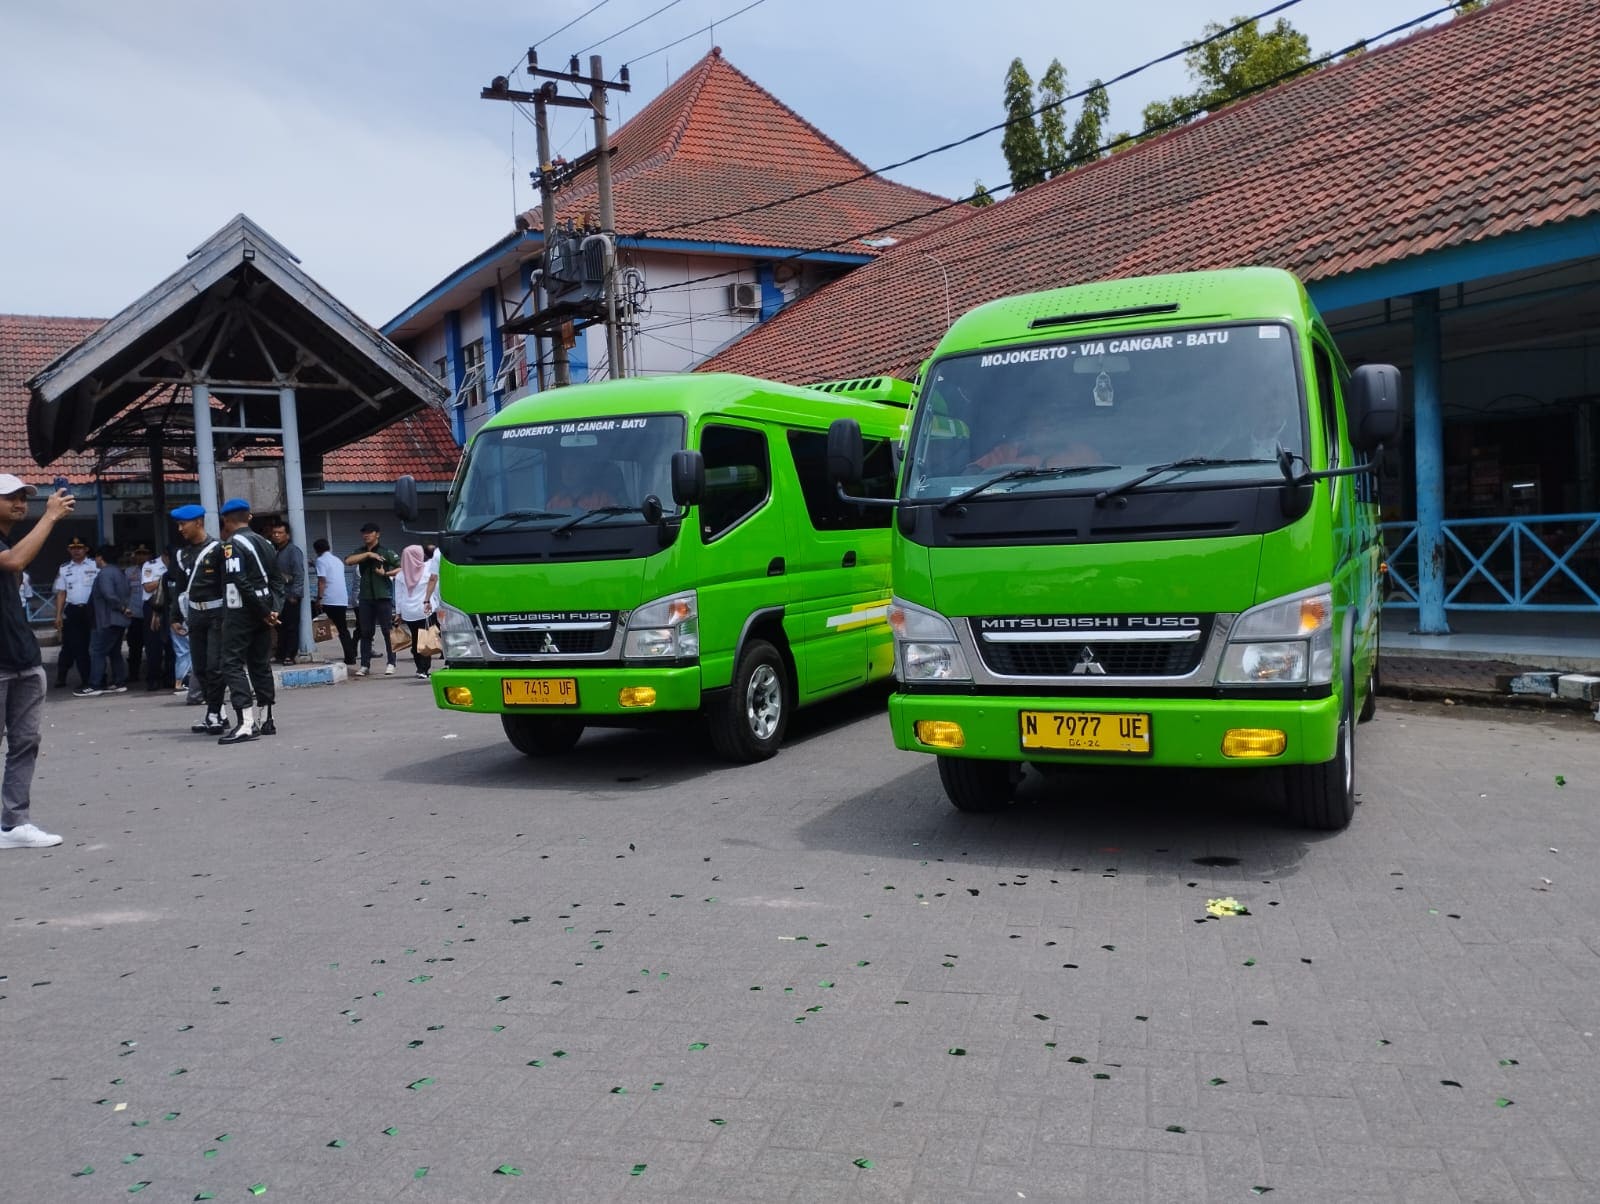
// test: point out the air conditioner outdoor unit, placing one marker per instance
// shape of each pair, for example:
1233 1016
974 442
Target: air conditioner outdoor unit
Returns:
744 298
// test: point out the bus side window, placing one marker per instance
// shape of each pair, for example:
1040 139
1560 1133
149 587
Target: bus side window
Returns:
738 479
823 504
1328 402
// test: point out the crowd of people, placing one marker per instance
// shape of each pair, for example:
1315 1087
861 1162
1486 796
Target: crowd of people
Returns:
205 618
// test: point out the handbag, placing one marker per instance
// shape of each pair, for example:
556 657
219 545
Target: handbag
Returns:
427 641
399 636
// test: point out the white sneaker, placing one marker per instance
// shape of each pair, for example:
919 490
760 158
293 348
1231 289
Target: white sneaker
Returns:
26 836
361 672
388 670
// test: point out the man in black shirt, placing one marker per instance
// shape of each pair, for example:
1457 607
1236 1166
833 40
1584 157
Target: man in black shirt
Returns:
200 605
22 678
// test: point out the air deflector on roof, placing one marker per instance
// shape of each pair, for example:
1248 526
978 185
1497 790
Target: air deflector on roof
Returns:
1102 315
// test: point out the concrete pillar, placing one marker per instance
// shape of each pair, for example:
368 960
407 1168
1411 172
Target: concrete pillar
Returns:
205 456
294 486
1428 426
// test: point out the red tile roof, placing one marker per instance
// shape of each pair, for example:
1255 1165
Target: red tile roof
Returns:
716 141
420 445
1480 127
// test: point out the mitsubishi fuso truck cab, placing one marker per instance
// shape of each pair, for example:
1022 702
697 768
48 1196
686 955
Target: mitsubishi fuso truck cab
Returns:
620 551
1137 525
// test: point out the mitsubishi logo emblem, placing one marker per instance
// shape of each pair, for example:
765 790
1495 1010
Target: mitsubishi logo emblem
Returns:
1087 664
549 645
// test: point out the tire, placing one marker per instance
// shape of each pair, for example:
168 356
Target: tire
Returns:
1323 797
542 736
747 724
978 786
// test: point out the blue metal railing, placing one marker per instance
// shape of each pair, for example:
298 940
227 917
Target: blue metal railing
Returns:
1504 564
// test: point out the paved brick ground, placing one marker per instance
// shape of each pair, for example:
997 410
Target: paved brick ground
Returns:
740 981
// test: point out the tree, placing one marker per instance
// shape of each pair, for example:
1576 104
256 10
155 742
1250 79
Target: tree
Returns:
1088 135
980 196
1227 66
1021 145
1052 121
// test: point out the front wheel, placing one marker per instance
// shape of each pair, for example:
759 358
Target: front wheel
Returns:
1323 797
542 736
747 724
974 785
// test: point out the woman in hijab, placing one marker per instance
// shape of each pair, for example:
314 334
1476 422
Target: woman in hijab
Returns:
412 589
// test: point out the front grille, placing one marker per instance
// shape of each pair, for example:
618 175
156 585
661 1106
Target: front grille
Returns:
532 643
1041 658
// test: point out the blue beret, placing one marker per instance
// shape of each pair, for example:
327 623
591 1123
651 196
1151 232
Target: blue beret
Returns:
185 513
234 505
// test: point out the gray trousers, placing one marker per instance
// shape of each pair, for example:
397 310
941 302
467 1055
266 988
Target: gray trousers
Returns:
21 717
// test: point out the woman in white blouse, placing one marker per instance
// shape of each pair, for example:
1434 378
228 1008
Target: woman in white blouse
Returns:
414 589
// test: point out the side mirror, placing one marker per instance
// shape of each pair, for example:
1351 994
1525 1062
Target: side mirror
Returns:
845 451
688 477
650 509
1373 405
405 499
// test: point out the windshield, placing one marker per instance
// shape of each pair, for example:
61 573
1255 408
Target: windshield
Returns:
550 472
1109 407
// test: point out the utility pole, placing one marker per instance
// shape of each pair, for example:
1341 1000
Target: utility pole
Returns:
608 214
550 180
547 219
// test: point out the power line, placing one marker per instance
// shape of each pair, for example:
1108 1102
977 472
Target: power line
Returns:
635 25
983 133
572 22
639 58
1159 127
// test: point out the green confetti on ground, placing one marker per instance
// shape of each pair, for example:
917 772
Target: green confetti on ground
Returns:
1077 1061
1250 961
536 1062
657 1086
825 984
505 1168
209 1154
130 1159
277 1040
420 1173
1561 780
412 1044
1176 1129
205 1195
1049 1044
499 1028
139 1186
336 1144
257 1189
1384 1041
716 1120
138 1124
421 978
864 1163
638 1169
1259 1191
1502 1102
697 1045
180 1070
419 1084
183 1028
390 1131
171 1116
957 1052
558 1053
1216 1082
89 1170
1102 1076
619 1091
859 964
1509 1062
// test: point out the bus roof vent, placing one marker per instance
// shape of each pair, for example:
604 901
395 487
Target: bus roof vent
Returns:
889 390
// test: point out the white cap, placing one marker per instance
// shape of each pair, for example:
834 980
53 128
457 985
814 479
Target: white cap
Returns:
10 484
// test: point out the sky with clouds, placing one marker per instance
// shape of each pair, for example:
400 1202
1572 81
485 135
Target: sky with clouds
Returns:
352 131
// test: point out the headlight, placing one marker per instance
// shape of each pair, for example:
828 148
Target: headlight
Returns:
457 640
1288 641
925 645
667 627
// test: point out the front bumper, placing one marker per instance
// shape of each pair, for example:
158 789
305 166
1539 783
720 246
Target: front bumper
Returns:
677 689
1184 731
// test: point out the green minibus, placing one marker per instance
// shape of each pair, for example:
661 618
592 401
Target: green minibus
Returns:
1137 525
620 551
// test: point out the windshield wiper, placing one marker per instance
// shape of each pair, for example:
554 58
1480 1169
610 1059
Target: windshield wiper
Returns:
511 516
598 510
1021 474
1155 470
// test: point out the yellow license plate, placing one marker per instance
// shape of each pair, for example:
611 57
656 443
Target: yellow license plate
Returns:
1086 731
539 691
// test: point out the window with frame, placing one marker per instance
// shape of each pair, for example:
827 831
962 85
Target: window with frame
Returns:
1328 400
738 478
472 393
827 510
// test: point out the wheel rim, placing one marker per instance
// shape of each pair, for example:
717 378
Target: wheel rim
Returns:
763 702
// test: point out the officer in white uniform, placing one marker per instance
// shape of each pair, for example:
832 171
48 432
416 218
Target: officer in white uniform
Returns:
74 616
